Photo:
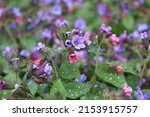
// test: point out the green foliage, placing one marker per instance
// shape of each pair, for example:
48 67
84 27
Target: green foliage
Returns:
58 90
128 67
128 22
106 74
33 87
75 90
69 70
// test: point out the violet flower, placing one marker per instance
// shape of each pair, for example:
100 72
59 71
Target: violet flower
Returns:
57 10
82 78
24 53
46 34
105 29
78 42
80 23
102 9
2 83
87 40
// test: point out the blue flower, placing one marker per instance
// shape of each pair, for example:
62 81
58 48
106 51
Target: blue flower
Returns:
78 42
82 78
80 23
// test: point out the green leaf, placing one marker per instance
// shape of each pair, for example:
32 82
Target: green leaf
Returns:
128 22
75 90
58 90
128 67
33 87
108 75
69 70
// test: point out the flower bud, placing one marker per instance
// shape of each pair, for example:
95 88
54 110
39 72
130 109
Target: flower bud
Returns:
114 40
73 58
119 69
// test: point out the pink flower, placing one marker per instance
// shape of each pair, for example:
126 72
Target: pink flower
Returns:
127 91
73 58
114 40
119 69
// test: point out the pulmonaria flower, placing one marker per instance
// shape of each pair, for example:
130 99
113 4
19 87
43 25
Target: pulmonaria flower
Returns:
123 37
68 43
19 20
25 53
2 11
46 2
46 34
9 52
114 40
80 23
82 55
142 27
82 78
61 22
100 59
143 35
102 9
119 69
73 58
127 91
87 40
76 32
40 46
47 70
16 11
78 42
124 8
105 29
2 83
37 63
57 10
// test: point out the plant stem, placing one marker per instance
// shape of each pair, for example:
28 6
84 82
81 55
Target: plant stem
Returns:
10 34
97 63
143 70
17 77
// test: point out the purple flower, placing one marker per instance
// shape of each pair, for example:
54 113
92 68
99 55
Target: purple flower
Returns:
143 35
46 34
46 2
68 43
78 42
80 23
134 35
57 10
16 11
45 15
13 25
123 37
105 29
47 70
100 59
25 53
138 94
87 40
61 22
2 83
142 27
124 7
2 11
82 78
102 9
9 52
127 90
82 55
